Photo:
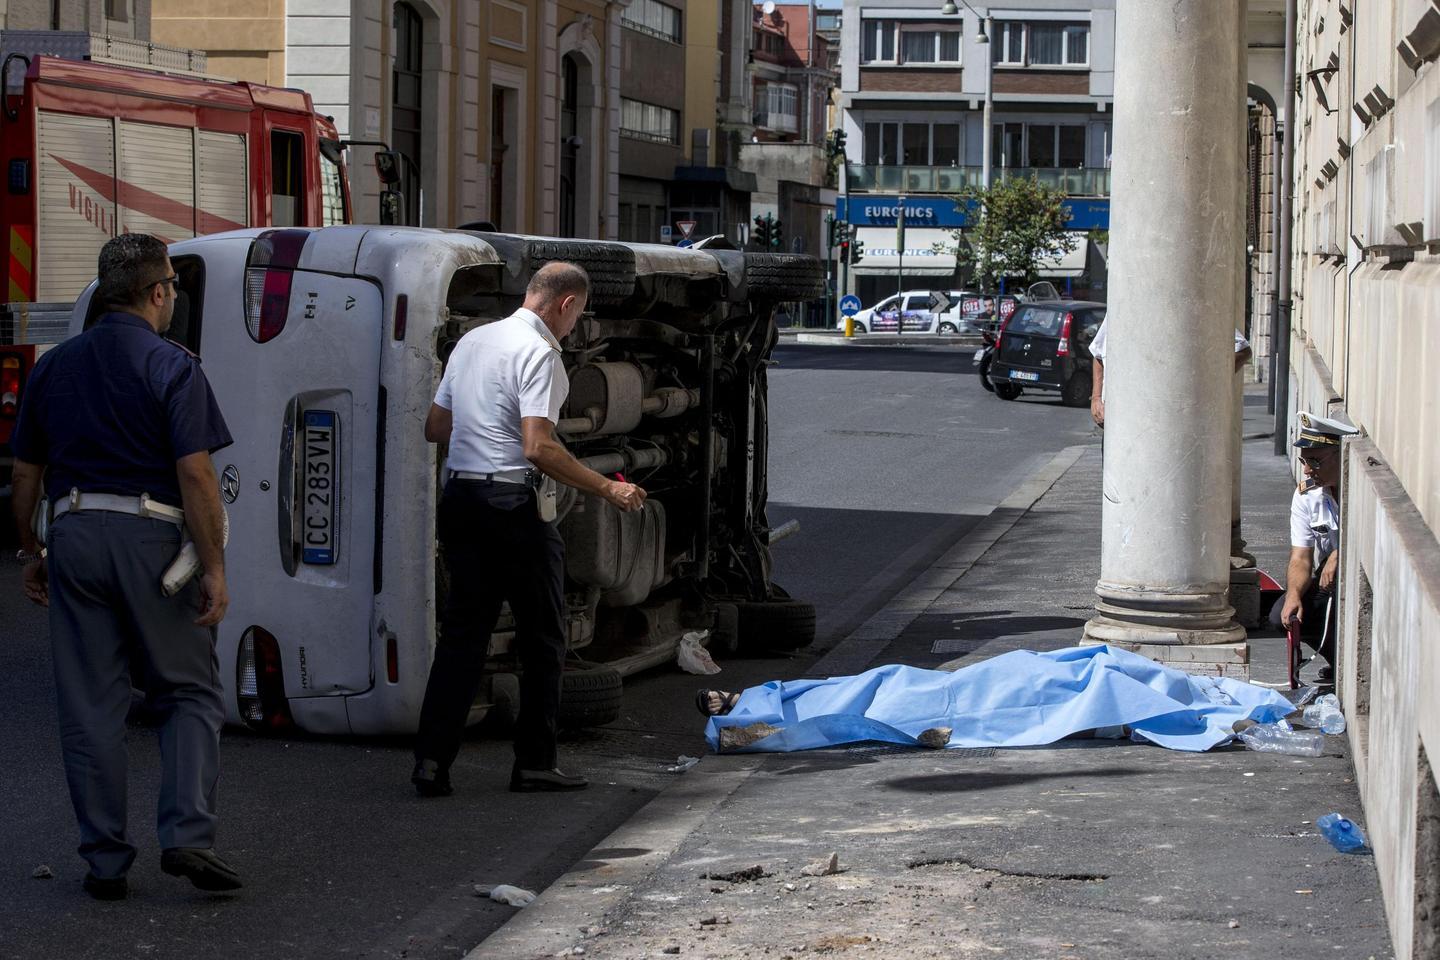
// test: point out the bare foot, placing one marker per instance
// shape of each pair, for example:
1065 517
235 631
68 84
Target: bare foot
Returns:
715 703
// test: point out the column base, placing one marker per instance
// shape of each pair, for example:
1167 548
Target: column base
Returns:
1245 596
1207 659
1130 615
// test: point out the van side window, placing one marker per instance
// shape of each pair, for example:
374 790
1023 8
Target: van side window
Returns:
287 178
189 304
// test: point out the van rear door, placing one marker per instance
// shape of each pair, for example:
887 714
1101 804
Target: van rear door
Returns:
294 358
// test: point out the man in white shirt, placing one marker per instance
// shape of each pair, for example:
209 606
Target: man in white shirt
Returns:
497 407
1314 540
1097 368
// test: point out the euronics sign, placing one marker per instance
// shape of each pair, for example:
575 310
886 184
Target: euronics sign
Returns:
875 210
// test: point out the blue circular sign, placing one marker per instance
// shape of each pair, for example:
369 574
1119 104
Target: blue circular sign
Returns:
849 305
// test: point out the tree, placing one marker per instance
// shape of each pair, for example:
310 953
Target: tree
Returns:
1009 228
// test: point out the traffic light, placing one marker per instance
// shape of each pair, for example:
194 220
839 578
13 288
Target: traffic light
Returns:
857 248
767 231
835 145
832 232
845 247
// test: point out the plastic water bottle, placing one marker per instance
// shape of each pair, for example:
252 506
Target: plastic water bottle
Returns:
1344 835
1271 738
1324 714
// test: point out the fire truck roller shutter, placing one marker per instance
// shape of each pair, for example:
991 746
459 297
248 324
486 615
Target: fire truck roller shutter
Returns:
76 202
224 182
156 180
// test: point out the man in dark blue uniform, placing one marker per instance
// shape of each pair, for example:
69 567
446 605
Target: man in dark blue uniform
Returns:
119 424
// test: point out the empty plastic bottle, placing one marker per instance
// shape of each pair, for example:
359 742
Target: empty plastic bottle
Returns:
1324 714
1271 738
1344 835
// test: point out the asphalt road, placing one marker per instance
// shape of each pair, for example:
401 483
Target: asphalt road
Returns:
885 455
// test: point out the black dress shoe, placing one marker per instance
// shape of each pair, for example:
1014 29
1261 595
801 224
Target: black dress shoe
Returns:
430 780
109 888
535 781
202 867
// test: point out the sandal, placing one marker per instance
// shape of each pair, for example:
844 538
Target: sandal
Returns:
727 702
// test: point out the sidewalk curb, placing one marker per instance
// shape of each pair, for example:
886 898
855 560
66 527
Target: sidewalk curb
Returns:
586 892
855 652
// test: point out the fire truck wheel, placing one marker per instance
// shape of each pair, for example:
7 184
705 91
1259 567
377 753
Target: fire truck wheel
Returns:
782 624
611 266
590 695
784 276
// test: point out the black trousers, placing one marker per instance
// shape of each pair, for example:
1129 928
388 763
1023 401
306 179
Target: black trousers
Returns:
497 549
1317 623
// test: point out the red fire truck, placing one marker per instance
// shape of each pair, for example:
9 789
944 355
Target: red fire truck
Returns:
91 151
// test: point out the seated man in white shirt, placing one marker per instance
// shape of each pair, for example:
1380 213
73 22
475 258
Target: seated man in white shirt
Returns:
1314 540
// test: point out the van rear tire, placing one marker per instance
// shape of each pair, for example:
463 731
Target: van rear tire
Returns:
784 276
611 266
590 696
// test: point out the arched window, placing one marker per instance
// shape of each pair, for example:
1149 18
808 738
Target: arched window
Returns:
406 125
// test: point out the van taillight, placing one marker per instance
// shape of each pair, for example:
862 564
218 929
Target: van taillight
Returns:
402 311
260 682
1064 349
273 258
10 370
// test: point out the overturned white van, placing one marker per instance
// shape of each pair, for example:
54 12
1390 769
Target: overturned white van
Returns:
324 348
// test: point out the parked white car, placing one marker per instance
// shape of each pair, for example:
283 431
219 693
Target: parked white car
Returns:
324 348
911 312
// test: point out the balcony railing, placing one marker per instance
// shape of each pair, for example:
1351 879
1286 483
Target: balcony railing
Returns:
784 122
1075 182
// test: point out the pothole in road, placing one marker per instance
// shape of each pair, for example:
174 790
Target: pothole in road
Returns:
993 871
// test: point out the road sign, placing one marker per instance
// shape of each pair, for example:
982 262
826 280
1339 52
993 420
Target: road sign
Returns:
685 243
940 302
849 305
687 227
665 233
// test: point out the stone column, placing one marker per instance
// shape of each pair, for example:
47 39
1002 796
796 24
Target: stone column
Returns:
1178 238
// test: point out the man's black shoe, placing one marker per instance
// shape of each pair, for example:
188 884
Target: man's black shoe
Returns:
201 866
110 888
430 780
535 781
1325 677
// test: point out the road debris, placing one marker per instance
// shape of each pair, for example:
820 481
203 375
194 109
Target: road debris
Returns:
42 872
504 893
739 876
1234 924
682 763
823 868
692 657
936 738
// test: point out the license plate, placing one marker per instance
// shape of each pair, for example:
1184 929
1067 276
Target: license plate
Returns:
1023 375
979 354
320 486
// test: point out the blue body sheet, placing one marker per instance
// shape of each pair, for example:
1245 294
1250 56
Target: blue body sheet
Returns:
1017 699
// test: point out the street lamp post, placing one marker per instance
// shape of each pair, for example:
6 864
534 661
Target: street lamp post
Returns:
987 30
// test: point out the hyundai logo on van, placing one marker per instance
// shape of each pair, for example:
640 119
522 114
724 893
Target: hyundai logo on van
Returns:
230 483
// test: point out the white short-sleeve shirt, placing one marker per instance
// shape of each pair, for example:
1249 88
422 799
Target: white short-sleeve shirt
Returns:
1315 521
498 374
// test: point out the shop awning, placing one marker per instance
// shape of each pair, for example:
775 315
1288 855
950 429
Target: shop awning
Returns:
920 258
1070 264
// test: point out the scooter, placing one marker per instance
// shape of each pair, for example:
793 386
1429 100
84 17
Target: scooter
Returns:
986 354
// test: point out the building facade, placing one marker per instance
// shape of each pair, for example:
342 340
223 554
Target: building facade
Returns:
914 86
508 111
792 76
1366 273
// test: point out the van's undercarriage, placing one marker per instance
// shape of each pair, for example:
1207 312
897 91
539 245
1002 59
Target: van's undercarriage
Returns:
668 388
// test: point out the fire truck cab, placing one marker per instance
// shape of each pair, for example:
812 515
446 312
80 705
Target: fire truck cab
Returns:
91 151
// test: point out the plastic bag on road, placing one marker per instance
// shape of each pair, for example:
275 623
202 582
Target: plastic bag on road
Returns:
693 657
504 893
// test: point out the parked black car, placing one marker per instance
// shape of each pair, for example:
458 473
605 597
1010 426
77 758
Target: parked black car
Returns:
1046 346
